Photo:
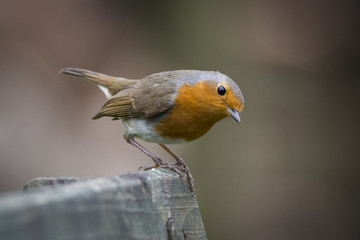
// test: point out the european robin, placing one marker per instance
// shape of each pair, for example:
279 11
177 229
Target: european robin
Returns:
167 107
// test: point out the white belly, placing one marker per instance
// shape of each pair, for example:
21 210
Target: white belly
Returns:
145 130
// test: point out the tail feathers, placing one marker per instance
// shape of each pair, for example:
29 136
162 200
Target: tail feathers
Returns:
109 85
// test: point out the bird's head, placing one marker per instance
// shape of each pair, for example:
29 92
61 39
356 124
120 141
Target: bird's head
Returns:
230 97
210 96
223 95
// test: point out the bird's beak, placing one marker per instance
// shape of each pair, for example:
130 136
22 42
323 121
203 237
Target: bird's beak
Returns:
234 114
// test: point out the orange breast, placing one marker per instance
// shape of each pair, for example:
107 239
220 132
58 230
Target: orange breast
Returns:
197 108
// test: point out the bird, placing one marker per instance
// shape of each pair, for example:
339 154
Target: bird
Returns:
170 107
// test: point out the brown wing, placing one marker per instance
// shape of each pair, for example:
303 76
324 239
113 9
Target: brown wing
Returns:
120 105
147 98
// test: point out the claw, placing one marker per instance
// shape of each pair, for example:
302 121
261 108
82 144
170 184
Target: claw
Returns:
191 181
148 167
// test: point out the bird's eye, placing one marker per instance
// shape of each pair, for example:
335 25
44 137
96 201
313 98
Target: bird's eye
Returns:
221 90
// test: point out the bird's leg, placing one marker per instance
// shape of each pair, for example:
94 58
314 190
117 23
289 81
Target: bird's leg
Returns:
181 162
174 155
158 162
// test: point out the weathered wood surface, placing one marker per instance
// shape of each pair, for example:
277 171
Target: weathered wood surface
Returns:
156 204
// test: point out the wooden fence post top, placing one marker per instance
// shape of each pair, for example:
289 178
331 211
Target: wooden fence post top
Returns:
155 204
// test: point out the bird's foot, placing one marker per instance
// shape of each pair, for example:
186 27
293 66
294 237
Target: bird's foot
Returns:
175 167
182 170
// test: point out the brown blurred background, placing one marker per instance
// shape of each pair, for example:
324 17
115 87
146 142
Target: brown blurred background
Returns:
289 171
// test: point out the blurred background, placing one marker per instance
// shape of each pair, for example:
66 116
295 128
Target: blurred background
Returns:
289 171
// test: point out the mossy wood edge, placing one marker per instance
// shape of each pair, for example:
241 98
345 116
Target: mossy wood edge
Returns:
155 204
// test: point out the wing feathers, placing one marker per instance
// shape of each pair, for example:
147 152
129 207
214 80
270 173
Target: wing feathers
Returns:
118 106
136 102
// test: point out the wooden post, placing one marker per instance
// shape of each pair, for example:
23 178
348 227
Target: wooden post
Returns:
155 204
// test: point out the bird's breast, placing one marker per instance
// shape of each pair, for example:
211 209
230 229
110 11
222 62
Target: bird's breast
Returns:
193 113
